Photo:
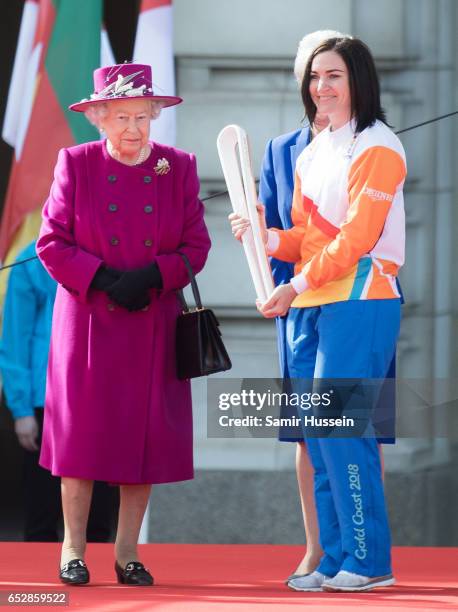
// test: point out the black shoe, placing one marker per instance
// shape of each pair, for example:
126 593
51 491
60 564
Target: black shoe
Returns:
134 573
74 572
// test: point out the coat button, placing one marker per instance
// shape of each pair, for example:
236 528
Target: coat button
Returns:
114 241
110 306
148 243
147 179
112 207
148 209
112 178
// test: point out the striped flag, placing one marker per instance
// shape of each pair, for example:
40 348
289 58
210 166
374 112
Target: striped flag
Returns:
154 46
106 52
59 46
23 66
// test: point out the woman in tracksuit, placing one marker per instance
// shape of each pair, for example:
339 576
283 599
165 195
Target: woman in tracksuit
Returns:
347 244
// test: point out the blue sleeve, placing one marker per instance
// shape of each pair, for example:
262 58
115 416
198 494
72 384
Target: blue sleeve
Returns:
19 315
268 195
268 189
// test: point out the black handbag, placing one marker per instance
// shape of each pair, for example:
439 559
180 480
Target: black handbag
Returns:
199 346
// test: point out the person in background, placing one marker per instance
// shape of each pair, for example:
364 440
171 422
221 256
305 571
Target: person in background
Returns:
24 351
276 193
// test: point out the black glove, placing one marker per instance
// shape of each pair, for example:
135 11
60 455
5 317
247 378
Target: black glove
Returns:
137 303
131 289
104 278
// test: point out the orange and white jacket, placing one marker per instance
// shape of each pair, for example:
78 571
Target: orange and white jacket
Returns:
347 241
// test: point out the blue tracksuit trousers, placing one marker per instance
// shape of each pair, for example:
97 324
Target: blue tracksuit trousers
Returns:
347 340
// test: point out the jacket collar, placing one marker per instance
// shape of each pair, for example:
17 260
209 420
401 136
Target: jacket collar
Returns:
302 141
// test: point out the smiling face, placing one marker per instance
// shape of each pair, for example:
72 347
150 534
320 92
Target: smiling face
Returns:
330 88
127 125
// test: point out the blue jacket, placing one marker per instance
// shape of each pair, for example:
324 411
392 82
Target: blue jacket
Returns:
26 334
277 185
276 193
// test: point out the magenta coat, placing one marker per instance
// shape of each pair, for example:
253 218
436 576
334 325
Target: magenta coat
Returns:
114 409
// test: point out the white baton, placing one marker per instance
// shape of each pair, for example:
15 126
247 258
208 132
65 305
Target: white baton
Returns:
234 155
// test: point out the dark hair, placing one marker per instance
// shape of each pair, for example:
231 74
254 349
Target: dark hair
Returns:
363 81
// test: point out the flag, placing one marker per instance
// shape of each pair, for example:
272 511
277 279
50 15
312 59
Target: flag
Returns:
106 53
22 64
59 46
154 46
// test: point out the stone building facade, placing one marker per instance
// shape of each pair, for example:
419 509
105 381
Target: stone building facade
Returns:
234 65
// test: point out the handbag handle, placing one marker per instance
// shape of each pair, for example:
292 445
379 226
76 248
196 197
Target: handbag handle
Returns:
194 287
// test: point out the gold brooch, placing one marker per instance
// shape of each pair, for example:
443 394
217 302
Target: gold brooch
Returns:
162 166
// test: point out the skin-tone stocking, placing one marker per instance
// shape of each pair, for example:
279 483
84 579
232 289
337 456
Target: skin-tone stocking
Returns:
76 501
133 502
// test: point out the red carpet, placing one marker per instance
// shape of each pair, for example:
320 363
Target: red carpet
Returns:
246 578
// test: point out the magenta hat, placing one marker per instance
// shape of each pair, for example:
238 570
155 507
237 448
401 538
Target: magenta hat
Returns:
121 82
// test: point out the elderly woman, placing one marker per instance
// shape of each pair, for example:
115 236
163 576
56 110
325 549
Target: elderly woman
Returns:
347 244
119 214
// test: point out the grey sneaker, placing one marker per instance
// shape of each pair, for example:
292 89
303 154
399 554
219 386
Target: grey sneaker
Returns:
347 581
309 582
293 576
